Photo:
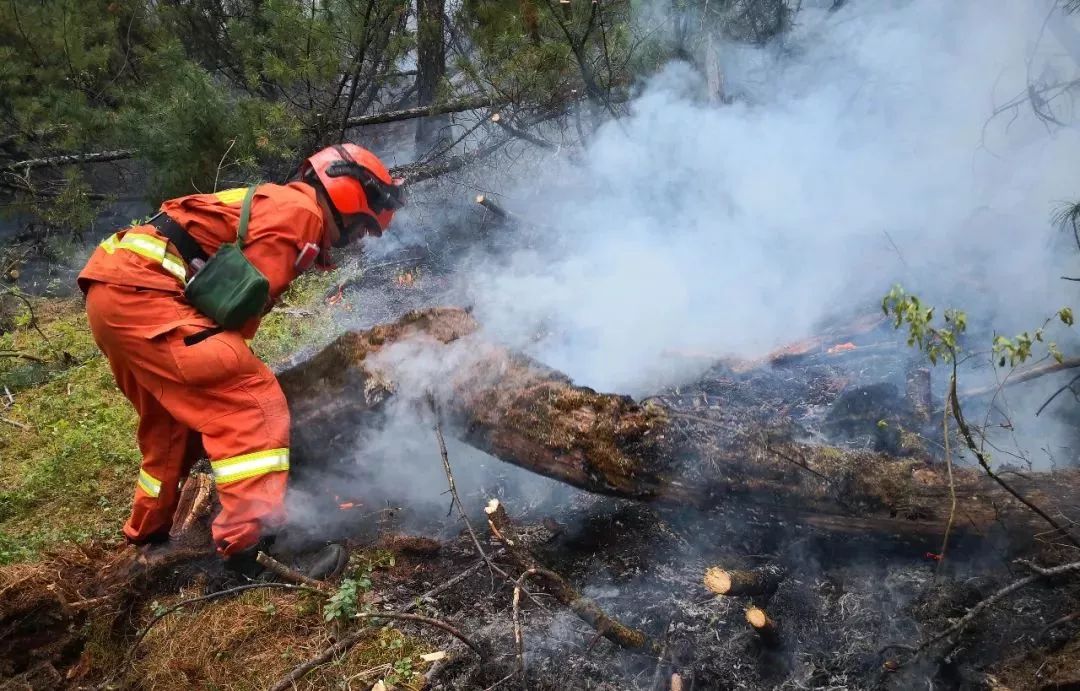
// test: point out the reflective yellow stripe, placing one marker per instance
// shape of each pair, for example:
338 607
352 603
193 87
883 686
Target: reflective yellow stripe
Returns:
250 465
149 484
150 247
233 196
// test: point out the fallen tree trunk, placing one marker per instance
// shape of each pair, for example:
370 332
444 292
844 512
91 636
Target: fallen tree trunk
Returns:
524 413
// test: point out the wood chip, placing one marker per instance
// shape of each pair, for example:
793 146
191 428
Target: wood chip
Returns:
434 657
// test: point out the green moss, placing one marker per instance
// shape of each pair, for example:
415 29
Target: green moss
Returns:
302 319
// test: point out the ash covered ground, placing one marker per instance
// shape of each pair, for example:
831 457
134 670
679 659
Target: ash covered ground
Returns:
850 612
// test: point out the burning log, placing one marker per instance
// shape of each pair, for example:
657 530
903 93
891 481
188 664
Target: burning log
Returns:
763 625
762 581
526 414
585 608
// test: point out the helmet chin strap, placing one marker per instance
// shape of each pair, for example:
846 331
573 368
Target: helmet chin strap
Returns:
320 190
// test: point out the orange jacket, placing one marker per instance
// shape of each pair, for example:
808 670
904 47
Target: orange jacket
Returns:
284 218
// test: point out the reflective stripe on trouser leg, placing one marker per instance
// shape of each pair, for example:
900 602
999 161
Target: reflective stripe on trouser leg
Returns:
149 484
250 465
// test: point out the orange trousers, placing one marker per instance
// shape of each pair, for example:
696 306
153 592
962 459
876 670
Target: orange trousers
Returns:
215 388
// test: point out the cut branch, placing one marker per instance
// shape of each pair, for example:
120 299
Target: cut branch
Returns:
763 625
762 581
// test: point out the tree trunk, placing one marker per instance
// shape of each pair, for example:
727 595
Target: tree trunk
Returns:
526 414
431 68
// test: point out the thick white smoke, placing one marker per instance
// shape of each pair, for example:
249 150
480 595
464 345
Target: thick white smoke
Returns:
860 151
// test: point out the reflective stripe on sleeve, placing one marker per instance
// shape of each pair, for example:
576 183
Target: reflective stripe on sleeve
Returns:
150 247
250 465
149 484
233 196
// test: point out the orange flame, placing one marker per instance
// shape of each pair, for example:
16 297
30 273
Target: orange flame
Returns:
841 348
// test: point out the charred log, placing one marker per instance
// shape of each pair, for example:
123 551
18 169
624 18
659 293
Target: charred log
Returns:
502 403
526 414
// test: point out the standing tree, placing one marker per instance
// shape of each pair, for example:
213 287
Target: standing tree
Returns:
431 68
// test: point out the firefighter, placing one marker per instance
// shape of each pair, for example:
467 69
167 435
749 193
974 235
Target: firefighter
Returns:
172 303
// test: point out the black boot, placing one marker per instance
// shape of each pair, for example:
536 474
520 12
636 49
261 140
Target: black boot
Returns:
327 563
244 563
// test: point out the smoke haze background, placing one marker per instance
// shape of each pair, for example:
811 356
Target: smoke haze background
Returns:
860 151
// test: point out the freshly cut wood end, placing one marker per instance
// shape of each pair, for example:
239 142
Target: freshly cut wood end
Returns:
491 507
717 580
676 682
757 618
434 657
480 199
760 581
495 117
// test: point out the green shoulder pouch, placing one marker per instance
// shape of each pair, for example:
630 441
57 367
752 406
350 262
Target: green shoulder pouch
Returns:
229 289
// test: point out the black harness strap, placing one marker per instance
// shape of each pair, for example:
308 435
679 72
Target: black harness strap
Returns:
200 336
189 249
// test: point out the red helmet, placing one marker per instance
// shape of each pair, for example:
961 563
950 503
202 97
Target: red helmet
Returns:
356 182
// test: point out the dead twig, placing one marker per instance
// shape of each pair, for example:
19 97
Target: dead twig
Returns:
18 294
288 574
450 583
519 639
585 608
24 356
207 598
1058 622
348 642
339 648
969 441
796 462
1054 395
1025 375
952 486
964 621
454 498
661 658
421 619
21 425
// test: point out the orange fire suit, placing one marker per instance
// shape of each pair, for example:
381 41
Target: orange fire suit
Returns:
214 388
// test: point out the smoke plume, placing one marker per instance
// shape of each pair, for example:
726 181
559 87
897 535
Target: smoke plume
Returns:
860 150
